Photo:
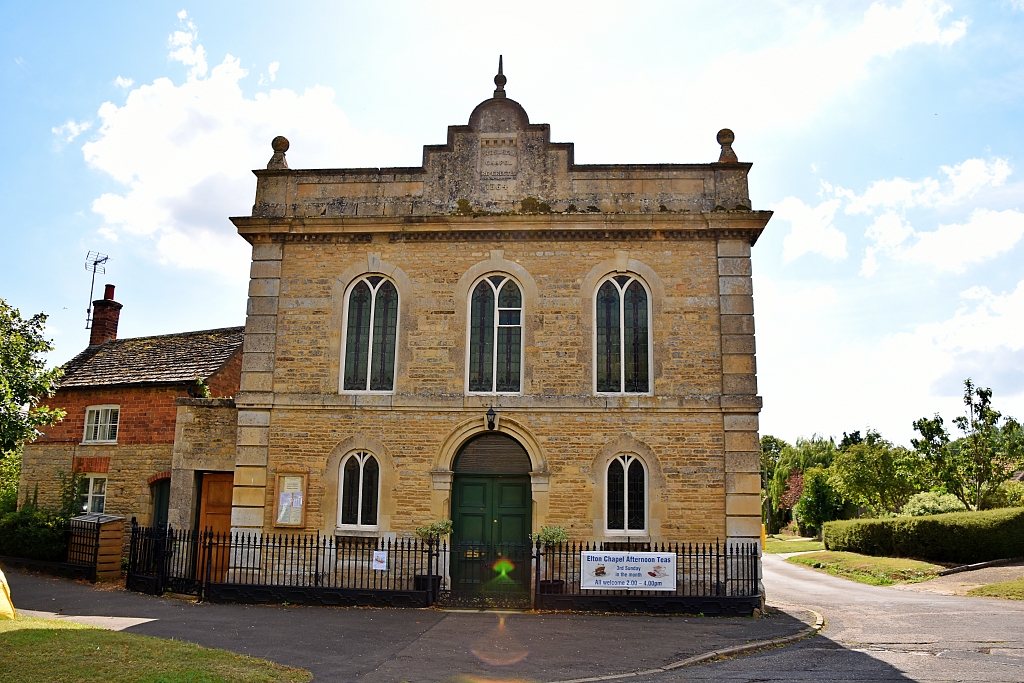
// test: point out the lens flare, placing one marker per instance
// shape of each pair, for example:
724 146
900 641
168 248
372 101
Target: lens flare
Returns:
500 647
503 567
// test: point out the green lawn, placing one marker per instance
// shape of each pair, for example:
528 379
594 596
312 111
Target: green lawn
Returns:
878 571
774 544
59 651
1011 590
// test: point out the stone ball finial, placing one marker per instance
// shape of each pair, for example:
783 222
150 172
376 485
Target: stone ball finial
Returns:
725 139
280 146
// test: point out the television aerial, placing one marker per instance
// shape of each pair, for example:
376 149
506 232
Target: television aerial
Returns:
95 262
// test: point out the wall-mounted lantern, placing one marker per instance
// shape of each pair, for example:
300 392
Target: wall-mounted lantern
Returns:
492 418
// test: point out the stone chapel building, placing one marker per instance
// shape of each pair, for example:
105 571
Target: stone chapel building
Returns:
500 337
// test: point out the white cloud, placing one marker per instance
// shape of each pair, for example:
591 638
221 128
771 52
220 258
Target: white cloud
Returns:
185 53
70 130
779 79
964 180
812 230
184 154
272 70
840 381
123 82
985 235
974 174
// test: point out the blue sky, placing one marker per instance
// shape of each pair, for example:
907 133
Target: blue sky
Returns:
886 136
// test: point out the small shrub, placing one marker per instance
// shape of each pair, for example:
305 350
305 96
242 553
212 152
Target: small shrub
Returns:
962 537
1009 495
932 503
33 534
550 535
435 530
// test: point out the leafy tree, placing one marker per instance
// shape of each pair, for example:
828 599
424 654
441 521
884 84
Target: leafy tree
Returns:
24 380
872 472
10 471
771 450
806 453
820 502
973 467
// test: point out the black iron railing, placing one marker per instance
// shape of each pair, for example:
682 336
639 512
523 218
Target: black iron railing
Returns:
83 542
312 569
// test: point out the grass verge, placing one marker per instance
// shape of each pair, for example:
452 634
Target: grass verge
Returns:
773 544
877 571
59 651
1010 590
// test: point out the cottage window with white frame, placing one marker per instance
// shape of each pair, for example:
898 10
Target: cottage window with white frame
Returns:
623 340
626 495
359 490
371 334
92 493
495 336
101 424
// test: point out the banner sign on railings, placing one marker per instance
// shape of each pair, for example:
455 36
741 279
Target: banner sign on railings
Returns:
606 570
380 560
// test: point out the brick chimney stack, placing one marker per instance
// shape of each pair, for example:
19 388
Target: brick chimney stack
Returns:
105 314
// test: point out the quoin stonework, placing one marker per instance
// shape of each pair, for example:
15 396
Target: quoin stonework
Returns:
500 337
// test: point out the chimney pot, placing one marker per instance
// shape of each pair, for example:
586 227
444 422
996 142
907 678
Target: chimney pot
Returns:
105 314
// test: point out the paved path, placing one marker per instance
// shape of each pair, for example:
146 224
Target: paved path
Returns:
370 645
880 634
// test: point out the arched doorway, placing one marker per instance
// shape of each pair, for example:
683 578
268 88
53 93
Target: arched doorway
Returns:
492 513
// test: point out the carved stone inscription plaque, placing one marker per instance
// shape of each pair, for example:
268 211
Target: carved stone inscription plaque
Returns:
499 158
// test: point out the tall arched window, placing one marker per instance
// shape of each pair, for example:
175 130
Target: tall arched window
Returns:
623 340
495 335
360 490
626 490
370 335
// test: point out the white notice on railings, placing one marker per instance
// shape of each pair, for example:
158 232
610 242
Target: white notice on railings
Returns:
605 570
380 560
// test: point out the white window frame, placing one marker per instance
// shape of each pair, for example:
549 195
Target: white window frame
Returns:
90 494
626 459
622 335
497 318
369 350
99 409
362 455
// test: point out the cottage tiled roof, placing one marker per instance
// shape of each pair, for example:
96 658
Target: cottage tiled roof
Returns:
165 359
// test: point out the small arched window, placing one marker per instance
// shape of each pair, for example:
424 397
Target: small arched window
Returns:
622 350
495 336
360 490
371 333
626 490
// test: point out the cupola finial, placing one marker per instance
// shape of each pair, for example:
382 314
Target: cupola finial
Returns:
500 81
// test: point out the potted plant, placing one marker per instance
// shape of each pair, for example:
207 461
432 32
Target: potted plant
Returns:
546 539
431 534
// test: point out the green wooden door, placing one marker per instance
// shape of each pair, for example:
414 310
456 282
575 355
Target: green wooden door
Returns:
491 516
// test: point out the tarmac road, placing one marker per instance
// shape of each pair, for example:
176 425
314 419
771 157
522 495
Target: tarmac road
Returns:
880 634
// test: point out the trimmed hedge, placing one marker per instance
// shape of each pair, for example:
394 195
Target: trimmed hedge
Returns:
962 537
32 534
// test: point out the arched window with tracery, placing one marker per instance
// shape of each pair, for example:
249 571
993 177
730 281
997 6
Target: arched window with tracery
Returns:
371 333
622 351
360 491
626 495
495 336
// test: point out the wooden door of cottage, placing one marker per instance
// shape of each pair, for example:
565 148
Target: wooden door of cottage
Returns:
492 512
215 516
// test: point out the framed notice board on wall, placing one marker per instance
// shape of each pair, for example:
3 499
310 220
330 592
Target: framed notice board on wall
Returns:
291 500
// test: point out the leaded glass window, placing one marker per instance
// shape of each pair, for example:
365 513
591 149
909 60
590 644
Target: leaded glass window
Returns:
495 335
623 341
626 491
371 334
359 490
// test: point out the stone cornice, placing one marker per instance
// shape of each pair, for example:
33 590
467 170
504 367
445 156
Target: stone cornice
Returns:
503 227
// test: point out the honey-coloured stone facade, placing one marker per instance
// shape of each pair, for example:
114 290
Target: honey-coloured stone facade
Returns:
501 198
